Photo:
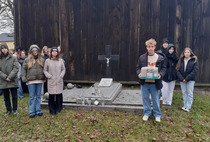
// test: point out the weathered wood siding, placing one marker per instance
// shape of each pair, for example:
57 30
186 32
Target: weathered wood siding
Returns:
84 27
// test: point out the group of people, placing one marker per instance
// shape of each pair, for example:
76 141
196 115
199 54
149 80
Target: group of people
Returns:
34 69
170 69
48 68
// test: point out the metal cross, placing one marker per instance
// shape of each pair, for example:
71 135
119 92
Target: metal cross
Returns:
108 57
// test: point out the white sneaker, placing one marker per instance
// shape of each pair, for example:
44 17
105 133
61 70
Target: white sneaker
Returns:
187 110
157 119
145 118
183 108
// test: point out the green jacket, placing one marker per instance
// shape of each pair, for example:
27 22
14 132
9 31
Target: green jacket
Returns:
34 73
9 68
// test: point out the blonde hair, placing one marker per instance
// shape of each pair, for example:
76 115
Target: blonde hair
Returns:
32 61
192 55
43 50
151 41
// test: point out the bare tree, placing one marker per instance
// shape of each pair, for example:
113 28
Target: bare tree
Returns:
6 14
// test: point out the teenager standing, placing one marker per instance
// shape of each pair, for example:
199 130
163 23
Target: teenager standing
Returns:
33 75
151 86
187 68
170 77
54 70
9 67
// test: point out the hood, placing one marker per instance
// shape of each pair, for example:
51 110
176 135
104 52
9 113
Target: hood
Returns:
171 45
33 46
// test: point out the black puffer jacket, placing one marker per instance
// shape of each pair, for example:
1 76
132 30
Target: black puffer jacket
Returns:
142 62
191 70
164 50
171 73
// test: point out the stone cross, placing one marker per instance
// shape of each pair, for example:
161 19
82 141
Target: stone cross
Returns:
108 57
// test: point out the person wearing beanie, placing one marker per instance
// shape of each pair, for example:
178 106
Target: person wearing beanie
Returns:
33 75
9 68
54 70
164 46
164 50
187 68
170 77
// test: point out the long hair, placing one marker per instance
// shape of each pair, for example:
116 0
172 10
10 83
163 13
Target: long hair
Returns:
192 55
32 61
43 50
9 54
57 56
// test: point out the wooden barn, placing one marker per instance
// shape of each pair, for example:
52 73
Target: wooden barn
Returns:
84 27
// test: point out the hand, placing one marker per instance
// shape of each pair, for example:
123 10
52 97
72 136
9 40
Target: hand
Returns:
159 76
139 75
8 80
184 80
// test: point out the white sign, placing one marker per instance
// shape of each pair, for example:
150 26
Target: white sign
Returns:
106 82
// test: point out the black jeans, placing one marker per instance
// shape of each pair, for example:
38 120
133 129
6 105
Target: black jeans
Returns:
7 98
55 103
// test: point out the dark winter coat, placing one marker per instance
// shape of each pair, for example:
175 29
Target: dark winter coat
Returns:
142 62
45 57
9 68
164 50
191 70
171 73
21 60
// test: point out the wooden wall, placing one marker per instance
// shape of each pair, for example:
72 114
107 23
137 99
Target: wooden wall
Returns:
84 27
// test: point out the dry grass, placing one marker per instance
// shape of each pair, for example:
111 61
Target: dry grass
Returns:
84 126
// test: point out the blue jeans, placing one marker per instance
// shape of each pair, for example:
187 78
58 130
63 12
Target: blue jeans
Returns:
187 93
20 90
146 90
35 98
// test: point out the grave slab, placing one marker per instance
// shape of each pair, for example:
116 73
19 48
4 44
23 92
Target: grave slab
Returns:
125 101
105 93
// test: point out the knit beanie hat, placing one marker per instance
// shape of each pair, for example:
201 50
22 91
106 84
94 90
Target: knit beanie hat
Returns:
3 45
54 49
165 40
33 47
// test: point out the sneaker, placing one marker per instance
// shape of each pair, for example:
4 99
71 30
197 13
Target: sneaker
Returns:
40 114
7 113
32 116
183 108
157 119
145 118
15 112
187 110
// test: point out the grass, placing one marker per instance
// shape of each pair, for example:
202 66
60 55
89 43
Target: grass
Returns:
70 125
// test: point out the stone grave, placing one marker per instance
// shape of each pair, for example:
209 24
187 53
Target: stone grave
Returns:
103 95
111 98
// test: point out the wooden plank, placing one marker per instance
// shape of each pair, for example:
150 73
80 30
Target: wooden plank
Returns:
83 28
